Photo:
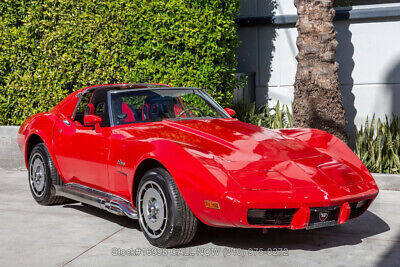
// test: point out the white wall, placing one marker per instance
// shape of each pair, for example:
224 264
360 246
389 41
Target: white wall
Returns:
368 54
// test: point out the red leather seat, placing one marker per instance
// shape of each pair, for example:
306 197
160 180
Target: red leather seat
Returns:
89 109
130 116
145 112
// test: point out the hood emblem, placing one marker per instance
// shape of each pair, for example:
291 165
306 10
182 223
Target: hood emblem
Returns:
323 215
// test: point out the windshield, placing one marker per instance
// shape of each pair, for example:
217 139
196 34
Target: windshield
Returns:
148 105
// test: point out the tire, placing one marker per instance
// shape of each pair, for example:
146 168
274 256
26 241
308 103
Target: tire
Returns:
161 206
42 174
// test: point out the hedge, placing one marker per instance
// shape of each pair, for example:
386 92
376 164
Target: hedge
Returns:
49 48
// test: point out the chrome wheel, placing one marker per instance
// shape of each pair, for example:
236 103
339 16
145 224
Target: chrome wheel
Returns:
37 175
152 209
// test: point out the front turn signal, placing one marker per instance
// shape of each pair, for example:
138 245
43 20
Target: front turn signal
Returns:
211 204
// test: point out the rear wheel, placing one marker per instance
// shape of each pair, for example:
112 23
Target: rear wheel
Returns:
164 217
42 175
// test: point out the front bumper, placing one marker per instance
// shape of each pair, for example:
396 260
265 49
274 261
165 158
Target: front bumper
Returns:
305 202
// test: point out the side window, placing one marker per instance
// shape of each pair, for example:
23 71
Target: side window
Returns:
84 102
130 107
99 104
80 109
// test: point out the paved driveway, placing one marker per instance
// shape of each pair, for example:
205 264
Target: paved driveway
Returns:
76 235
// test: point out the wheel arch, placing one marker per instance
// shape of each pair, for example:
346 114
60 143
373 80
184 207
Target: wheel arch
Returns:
31 142
144 166
37 129
192 175
37 137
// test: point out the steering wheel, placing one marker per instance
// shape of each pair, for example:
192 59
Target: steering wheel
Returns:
187 109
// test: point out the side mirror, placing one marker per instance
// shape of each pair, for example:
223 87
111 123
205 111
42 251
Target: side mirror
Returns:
92 120
230 112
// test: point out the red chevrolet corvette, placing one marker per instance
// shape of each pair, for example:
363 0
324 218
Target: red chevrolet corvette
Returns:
171 157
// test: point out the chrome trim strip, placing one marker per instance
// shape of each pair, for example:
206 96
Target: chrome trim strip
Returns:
110 115
80 95
99 199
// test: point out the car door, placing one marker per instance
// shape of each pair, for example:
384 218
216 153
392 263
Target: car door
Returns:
125 149
82 152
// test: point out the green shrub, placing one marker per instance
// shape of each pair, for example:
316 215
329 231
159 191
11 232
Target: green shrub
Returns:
49 48
378 145
276 117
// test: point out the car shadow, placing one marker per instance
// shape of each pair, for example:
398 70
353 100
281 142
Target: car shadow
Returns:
351 233
120 220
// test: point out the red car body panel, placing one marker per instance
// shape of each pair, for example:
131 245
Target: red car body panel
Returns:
238 165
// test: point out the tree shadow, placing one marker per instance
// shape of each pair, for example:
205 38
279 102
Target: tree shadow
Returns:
351 233
393 86
256 49
344 56
392 256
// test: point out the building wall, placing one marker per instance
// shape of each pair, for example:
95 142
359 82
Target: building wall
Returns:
368 54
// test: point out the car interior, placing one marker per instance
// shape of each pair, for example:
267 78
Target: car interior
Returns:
150 107
93 103
143 106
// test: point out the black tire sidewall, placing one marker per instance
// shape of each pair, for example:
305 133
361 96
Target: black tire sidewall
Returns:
174 224
42 150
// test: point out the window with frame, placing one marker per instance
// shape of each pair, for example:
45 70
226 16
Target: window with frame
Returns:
159 104
82 105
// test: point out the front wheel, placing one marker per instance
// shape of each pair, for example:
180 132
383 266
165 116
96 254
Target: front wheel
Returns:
42 175
164 217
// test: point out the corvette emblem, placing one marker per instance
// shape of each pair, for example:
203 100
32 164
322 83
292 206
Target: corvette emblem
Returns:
323 215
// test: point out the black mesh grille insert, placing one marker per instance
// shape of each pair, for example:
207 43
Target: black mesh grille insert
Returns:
358 208
269 217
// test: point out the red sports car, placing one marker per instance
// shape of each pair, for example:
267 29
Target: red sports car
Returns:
171 157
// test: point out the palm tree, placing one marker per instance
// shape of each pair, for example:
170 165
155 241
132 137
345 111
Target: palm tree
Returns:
317 98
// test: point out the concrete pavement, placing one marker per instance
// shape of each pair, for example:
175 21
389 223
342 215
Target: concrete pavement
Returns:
77 235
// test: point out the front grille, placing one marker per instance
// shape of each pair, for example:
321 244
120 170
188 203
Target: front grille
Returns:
358 208
270 217
316 214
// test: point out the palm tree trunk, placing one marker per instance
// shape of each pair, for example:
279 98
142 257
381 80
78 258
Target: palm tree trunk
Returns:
317 98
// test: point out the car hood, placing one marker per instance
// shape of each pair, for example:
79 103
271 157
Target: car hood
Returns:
235 141
256 157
